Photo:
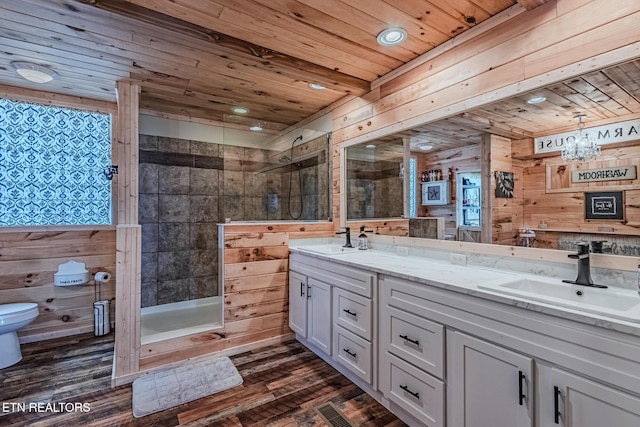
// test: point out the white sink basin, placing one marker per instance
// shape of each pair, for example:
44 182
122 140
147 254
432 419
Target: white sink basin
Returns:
613 302
328 249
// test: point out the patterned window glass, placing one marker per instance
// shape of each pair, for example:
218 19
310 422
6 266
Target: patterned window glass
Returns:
413 208
51 165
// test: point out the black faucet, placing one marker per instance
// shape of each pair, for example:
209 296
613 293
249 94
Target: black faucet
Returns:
347 232
584 267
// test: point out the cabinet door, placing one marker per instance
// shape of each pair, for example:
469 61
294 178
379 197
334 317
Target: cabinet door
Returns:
319 314
569 400
488 385
298 303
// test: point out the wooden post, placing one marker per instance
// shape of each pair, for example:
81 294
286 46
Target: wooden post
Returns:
128 236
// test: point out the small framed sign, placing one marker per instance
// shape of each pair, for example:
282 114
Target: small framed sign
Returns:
604 205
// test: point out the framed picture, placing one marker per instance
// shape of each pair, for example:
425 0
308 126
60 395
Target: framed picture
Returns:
504 184
604 205
435 193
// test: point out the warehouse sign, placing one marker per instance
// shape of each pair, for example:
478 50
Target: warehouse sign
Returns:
607 134
605 174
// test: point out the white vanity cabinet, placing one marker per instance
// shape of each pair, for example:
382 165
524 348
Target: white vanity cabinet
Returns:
569 400
339 304
488 385
310 310
505 366
412 354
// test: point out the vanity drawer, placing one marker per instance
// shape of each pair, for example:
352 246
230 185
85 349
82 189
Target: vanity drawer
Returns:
352 279
353 352
416 392
352 312
414 339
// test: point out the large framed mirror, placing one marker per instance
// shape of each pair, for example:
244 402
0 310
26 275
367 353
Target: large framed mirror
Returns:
504 168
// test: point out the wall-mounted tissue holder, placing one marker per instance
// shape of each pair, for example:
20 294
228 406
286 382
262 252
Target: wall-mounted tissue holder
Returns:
71 273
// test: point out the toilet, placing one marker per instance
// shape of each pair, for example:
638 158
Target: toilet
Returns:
14 317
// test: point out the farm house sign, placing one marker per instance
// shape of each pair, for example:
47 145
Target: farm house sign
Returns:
604 174
607 134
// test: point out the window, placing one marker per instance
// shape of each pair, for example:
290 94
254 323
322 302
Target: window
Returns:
51 165
413 178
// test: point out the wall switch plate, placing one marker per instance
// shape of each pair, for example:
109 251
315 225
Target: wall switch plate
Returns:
458 259
402 250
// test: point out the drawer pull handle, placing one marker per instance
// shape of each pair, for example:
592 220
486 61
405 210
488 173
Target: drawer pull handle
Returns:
412 393
301 289
308 292
351 313
556 404
349 352
406 338
521 379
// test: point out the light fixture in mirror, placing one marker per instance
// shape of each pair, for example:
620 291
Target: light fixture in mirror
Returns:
581 147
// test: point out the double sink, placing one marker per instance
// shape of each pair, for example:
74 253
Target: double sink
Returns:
617 303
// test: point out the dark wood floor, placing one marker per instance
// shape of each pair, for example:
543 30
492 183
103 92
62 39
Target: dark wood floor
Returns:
282 386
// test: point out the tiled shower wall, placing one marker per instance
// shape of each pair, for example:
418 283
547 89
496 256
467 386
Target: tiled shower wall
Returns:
188 187
374 189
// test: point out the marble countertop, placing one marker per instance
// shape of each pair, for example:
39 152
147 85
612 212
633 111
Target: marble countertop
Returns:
467 279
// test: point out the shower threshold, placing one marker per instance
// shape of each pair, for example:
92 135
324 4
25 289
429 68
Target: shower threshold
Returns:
166 321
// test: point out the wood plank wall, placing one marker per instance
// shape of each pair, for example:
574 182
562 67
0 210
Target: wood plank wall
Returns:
256 265
28 261
506 213
459 160
564 211
388 227
531 50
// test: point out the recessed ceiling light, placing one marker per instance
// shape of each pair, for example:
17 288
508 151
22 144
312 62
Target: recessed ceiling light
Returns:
424 146
34 72
240 110
391 36
316 86
256 128
370 146
536 100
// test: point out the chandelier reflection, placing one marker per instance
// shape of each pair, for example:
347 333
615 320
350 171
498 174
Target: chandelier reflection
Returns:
582 147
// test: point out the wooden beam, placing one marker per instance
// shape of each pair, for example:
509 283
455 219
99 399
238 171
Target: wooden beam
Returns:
531 4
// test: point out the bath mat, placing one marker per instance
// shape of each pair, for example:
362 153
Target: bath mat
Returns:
162 390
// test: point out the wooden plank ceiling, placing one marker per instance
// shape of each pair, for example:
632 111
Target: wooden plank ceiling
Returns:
199 58
605 96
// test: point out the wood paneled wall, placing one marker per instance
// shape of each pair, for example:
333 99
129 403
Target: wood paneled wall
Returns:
506 213
388 227
28 261
564 210
256 265
535 48
459 160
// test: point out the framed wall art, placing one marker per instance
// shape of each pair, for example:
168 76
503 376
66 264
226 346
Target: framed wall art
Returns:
605 205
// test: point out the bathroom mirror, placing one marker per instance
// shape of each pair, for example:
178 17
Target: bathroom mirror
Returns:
525 193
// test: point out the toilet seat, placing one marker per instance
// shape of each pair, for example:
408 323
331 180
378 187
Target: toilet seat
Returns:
17 312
